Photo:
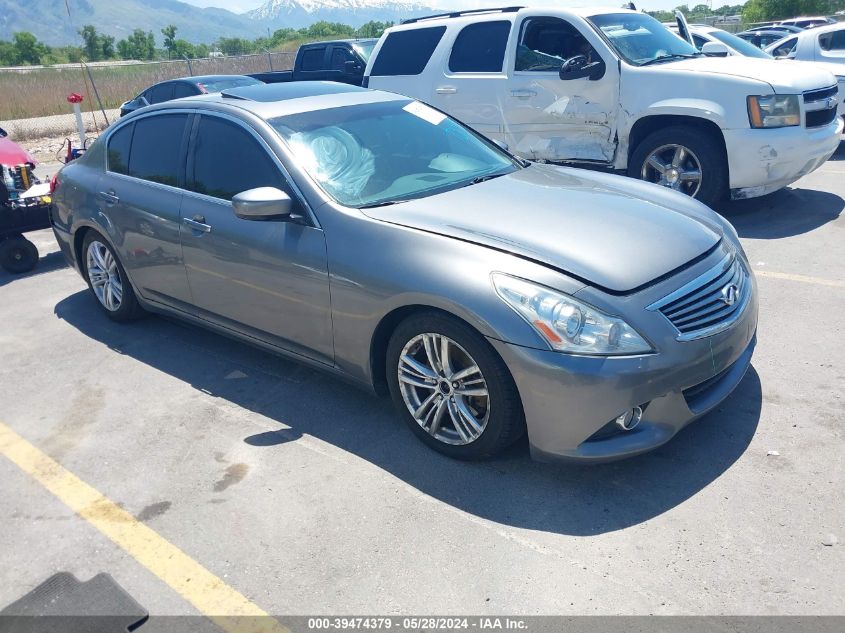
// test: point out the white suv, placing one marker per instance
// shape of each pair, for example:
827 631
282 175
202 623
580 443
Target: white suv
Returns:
616 88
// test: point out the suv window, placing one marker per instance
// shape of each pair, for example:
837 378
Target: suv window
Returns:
480 48
312 59
545 43
184 89
834 41
407 52
229 160
118 152
156 148
160 93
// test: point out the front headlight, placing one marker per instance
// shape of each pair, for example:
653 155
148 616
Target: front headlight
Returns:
566 324
774 111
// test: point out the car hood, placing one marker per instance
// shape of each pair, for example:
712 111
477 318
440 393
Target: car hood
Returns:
784 78
609 231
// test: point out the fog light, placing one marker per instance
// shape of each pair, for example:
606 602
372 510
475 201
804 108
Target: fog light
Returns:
629 420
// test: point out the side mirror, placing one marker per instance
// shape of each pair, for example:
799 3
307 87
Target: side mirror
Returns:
263 203
352 67
578 67
715 49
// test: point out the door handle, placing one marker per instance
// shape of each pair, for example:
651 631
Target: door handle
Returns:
523 94
197 223
109 197
446 90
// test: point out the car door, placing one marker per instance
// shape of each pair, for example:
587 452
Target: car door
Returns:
267 279
141 201
312 62
550 118
468 84
343 65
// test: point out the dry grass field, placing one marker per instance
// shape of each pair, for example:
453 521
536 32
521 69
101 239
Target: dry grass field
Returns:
40 92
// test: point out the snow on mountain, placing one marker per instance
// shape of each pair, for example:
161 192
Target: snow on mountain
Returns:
297 13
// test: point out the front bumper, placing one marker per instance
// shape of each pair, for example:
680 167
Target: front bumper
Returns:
567 399
764 161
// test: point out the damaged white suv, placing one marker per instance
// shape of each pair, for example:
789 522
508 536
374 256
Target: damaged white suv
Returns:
616 88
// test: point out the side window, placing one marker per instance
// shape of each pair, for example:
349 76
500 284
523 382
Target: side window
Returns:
834 41
786 48
184 89
480 48
156 148
160 93
699 41
312 59
407 52
545 43
339 58
229 160
118 153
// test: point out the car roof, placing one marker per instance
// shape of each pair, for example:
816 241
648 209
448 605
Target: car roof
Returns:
354 40
459 18
274 100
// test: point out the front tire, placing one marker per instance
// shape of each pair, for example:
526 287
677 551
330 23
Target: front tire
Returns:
452 388
684 159
107 279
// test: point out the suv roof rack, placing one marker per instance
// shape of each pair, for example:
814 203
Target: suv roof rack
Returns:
457 14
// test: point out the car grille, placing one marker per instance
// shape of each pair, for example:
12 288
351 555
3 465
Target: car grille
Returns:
710 303
821 106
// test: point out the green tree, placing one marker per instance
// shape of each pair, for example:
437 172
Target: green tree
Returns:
169 33
27 48
91 42
138 45
373 28
7 53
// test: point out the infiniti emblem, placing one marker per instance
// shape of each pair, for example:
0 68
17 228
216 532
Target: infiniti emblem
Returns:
729 294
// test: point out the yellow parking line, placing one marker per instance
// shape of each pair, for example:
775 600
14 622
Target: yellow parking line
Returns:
819 281
226 607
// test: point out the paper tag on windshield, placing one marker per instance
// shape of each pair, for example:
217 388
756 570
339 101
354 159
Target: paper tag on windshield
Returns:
425 113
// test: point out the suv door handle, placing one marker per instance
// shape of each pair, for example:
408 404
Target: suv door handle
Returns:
446 90
198 223
523 94
110 198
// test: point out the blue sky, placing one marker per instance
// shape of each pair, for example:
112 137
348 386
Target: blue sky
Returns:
244 5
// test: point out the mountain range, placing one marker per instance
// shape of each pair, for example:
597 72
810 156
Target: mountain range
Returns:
49 21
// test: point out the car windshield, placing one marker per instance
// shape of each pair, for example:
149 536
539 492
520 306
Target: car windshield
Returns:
388 152
225 83
739 45
364 49
640 39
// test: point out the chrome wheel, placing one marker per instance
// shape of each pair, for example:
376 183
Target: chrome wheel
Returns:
104 276
444 389
675 167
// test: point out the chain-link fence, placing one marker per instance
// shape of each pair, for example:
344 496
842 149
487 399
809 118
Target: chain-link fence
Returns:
42 91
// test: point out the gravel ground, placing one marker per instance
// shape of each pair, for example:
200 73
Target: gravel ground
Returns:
58 126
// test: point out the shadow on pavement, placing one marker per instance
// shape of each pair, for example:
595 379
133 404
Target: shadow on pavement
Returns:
512 489
47 264
785 213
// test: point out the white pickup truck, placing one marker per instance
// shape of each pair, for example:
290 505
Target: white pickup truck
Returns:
616 88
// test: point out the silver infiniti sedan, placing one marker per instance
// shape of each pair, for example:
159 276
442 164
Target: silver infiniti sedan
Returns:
375 237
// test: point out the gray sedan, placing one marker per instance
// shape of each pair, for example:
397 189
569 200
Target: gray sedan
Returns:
377 238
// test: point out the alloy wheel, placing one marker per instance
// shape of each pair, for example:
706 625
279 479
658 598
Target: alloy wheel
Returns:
444 389
674 166
104 276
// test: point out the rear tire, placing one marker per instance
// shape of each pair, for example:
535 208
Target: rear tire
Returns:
652 160
18 255
467 406
107 279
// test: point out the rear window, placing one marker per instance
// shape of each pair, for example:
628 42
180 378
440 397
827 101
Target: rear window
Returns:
312 59
480 48
156 146
160 93
407 52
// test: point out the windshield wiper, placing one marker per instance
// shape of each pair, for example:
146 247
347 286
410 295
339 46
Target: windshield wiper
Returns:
383 203
480 179
666 58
